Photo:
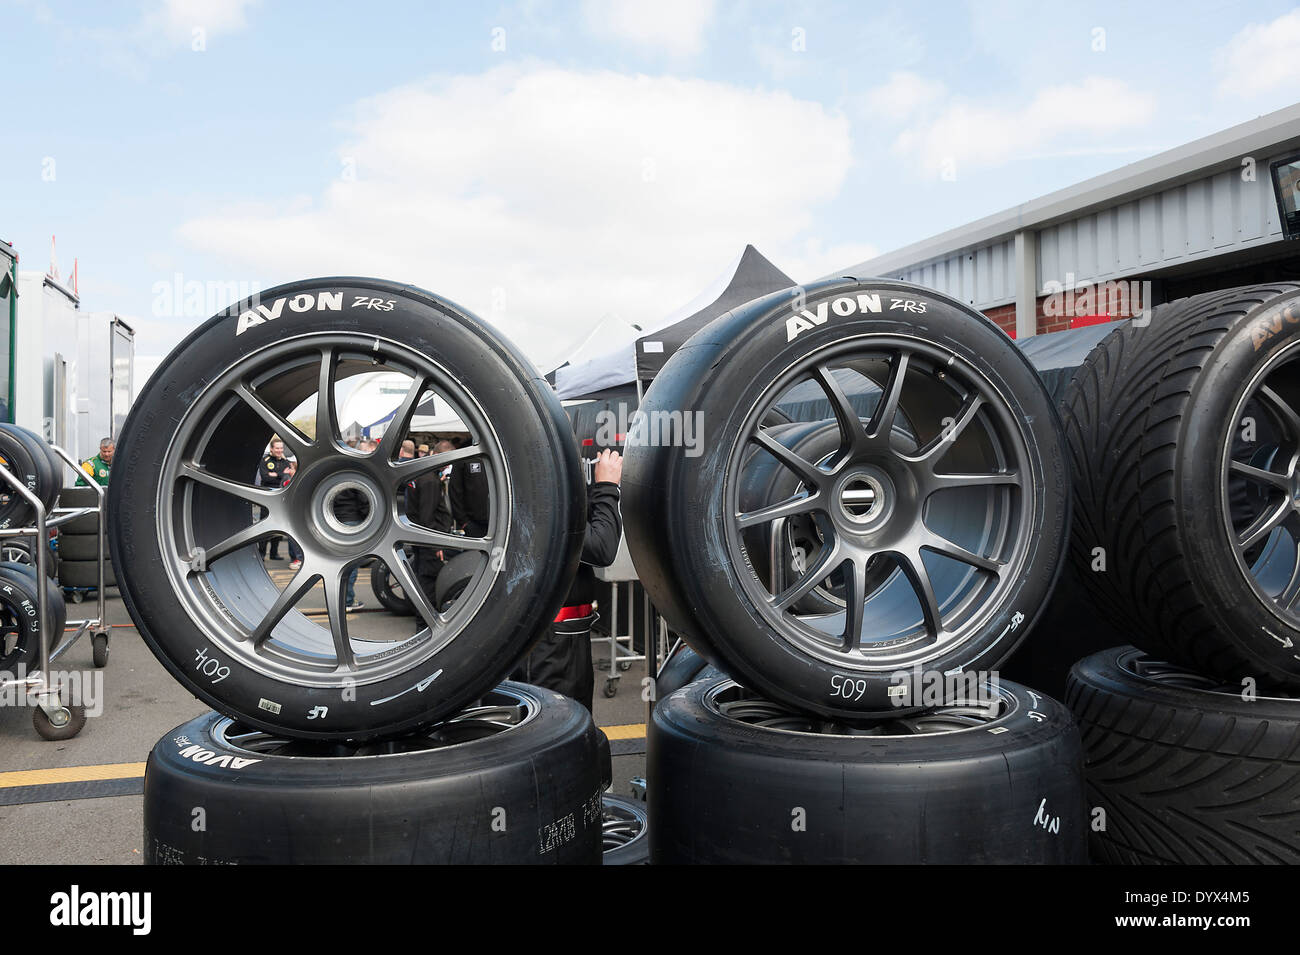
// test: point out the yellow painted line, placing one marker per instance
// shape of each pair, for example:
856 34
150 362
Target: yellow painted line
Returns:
70 774
625 731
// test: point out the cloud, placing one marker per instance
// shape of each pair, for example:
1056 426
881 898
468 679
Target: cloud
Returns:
902 96
966 134
1260 58
545 198
673 26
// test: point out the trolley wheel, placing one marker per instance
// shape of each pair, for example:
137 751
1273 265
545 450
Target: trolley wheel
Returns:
99 647
611 687
74 720
76 596
625 665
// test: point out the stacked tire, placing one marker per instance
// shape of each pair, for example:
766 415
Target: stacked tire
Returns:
880 495
78 542
367 737
1184 438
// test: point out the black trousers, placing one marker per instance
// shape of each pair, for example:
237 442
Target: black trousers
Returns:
561 661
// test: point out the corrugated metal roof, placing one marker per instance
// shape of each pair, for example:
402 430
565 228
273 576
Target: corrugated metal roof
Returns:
1182 204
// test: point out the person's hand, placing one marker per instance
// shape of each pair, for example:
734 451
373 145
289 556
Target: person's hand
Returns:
609 467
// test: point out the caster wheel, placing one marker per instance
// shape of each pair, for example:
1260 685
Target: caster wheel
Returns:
74 718
99 647
625 667
611 688
77 596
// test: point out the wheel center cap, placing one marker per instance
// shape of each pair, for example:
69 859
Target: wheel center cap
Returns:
345 508
866 498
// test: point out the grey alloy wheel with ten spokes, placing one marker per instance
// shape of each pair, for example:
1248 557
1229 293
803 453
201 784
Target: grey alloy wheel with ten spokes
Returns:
881 486
276 647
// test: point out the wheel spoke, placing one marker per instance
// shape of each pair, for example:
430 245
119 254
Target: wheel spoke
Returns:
1263 525
261 496
945 439
293 591
337 612
787 508
406 576
241 538
280 426
941 545
1290 419
913 568
810 473
399 424
882 419
811 578
1259 475
412 468
940 482
407 533
851 428
327 422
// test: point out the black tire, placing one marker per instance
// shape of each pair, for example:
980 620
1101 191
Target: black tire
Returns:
1154 418
22 453
684 666
76 547
87 524
46 730
85 573
625 832
732 775
58 608
682 520
20 642
382 585
528 794
1186 771
527 559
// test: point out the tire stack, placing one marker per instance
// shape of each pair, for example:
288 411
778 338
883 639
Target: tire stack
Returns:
78 540
337 737
1184 436
880 497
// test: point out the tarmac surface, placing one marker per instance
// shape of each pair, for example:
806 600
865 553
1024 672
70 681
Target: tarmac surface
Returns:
78 802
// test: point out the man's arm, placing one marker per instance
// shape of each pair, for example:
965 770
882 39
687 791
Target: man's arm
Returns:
604 524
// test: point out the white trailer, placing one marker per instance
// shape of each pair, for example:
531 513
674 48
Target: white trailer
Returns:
72 380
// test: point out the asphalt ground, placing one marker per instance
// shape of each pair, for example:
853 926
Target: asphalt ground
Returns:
78 802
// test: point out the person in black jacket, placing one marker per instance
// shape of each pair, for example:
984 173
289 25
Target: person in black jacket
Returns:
426 505
470 499
561 659
271 473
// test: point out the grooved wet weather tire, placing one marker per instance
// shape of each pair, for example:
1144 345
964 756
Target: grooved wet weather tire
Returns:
734 778
1187 771
939 516
516 779
184 542
1184 436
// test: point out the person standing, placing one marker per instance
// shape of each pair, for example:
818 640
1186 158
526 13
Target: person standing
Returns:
470 497
426 505
98 467
561 659
270 473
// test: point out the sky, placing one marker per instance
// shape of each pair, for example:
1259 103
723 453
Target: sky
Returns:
551 165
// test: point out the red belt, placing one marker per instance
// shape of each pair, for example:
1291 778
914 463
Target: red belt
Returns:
572 613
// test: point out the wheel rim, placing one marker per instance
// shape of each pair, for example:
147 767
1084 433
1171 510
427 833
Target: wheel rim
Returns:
1163 673
498 712
1260 484
621 825
206 505
986 706
923 512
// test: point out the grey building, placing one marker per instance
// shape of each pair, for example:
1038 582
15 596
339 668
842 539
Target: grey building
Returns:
1203 216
